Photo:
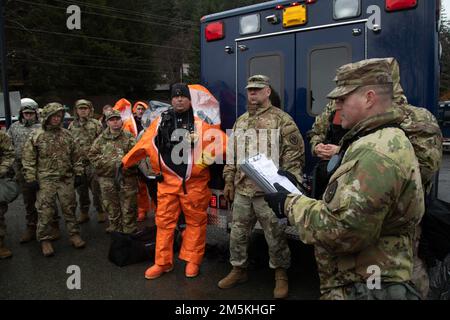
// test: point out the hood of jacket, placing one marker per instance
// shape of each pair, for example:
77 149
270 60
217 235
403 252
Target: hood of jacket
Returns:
49 110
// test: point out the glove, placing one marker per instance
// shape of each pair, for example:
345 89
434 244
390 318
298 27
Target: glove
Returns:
288 175
9 173
302 186
33 185
228 191
276 200
118 176
80 180
207 159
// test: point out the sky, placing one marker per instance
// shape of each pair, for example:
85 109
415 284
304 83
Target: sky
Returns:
446 5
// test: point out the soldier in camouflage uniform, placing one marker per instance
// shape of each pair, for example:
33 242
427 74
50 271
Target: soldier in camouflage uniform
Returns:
249 205
364 227
85 129
422 130
51 163
420 126
106 155
6 164
20 132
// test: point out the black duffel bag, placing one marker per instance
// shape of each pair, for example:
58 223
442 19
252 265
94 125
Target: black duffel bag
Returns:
138 247
133 248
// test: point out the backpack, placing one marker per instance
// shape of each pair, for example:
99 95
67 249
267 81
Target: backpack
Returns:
424 133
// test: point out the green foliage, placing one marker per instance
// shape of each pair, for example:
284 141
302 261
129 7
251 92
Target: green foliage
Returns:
124 48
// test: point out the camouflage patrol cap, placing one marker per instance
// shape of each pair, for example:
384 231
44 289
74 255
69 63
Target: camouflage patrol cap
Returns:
350 77
83 102
113 114
258 81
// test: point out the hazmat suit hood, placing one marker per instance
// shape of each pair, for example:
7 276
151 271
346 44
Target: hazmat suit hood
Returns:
139 103
49 110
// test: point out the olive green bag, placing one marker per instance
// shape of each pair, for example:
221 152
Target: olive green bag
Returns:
9 190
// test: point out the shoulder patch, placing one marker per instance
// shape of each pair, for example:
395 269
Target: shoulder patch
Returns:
293 139
330 191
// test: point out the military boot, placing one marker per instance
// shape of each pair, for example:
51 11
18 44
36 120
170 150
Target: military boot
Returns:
84 217
4 252
77 242
29 235
101 217
237 275
281 284
47 248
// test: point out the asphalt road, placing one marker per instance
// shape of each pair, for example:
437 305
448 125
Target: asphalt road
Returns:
29 275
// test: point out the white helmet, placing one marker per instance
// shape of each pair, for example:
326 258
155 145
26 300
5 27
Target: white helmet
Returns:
30 103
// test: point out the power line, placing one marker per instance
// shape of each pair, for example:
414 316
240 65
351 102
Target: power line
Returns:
88 66
106 15
75 56
81 55
97 38
125 11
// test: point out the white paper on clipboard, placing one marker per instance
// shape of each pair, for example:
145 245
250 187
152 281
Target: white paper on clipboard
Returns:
265 174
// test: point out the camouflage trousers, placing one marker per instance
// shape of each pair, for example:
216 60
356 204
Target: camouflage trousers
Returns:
120 205
246 212
29 198
3 209
49 191
419 276
83 192
360 291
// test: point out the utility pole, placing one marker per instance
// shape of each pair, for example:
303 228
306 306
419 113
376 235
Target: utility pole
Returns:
4 65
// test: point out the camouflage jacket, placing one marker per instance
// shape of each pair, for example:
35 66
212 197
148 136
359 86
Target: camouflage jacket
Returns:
6 154
19 134
108 150
369 211
51 154
320 127
283 140
85 134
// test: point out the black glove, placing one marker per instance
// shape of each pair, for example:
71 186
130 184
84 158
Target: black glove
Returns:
80 180
302 186
288 175
276 200
33 185
118 176
10 173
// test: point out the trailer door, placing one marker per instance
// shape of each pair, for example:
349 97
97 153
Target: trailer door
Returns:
272 56
319 53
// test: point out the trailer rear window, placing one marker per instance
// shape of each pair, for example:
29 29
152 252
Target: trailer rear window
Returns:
270 65
323 62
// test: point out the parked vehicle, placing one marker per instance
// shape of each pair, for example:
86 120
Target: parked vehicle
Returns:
300 44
